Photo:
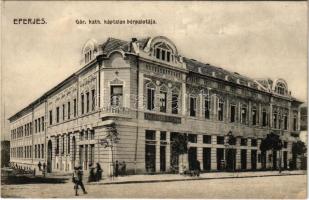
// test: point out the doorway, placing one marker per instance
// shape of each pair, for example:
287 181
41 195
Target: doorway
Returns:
243 158
150 158
207 158
253 159
192 156
230 159
49 156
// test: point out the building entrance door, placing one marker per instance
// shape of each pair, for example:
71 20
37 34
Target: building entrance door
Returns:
220 159
162 158
49 156
253 159
275 160
243 158
231 159
192 157
150 158
285 160
206 158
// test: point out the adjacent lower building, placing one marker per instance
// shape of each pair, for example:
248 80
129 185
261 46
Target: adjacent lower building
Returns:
149 94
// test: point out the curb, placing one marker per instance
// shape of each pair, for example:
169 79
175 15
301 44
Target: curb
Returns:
191 179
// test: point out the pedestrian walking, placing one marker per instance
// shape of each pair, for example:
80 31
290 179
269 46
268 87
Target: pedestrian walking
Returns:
78 180
99 172
116 169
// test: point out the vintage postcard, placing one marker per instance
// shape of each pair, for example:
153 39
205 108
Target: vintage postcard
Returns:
167 99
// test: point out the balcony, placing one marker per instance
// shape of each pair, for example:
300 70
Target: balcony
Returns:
116 111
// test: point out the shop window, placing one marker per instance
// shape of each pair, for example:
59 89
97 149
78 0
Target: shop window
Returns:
220 139
206 139
254 142
192 138
243 142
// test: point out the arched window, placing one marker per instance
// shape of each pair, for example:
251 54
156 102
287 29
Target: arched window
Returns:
151 90
164 52
281 88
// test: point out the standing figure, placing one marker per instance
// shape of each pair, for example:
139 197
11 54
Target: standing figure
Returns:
123 169
198 167
39 165
44 169
116 168
78 180
99 171
91 173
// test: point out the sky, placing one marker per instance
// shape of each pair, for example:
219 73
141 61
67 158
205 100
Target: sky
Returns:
255 39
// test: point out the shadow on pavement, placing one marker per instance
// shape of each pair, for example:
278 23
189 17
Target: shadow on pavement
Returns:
31 180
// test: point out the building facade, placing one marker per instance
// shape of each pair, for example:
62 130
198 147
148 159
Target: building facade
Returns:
152 95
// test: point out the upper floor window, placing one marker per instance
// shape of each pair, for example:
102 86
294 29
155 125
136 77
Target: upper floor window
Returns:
275 118
264 117
88 56
254 116
285 121
164 52
163 99
116 95
43 124
206 139
192 106
192 138
75 107
295 122
220 110
82 103
93 99
233 113
175 101
63 112
243 118
150 96
57 114
69 110
87 101
39 125
207 107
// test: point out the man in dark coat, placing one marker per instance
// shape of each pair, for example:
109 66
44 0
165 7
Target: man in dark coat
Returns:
116 168
78 180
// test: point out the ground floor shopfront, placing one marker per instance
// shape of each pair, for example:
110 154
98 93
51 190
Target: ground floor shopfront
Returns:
146 150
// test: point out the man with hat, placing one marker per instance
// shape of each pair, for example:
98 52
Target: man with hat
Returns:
78 179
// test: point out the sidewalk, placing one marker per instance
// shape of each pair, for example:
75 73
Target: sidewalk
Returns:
178 177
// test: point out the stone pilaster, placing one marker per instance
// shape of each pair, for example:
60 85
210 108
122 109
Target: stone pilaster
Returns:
168 150
157 151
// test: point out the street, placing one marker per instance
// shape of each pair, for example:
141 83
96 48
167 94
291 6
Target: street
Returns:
260 187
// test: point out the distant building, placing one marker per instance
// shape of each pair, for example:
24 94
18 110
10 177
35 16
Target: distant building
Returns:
154 95
5 153
304 123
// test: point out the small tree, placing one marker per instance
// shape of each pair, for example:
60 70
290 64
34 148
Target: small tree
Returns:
271 142
179 146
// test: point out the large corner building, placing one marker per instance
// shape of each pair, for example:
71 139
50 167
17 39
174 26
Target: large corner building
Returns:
151 94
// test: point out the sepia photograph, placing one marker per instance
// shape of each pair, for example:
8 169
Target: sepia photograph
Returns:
145 99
